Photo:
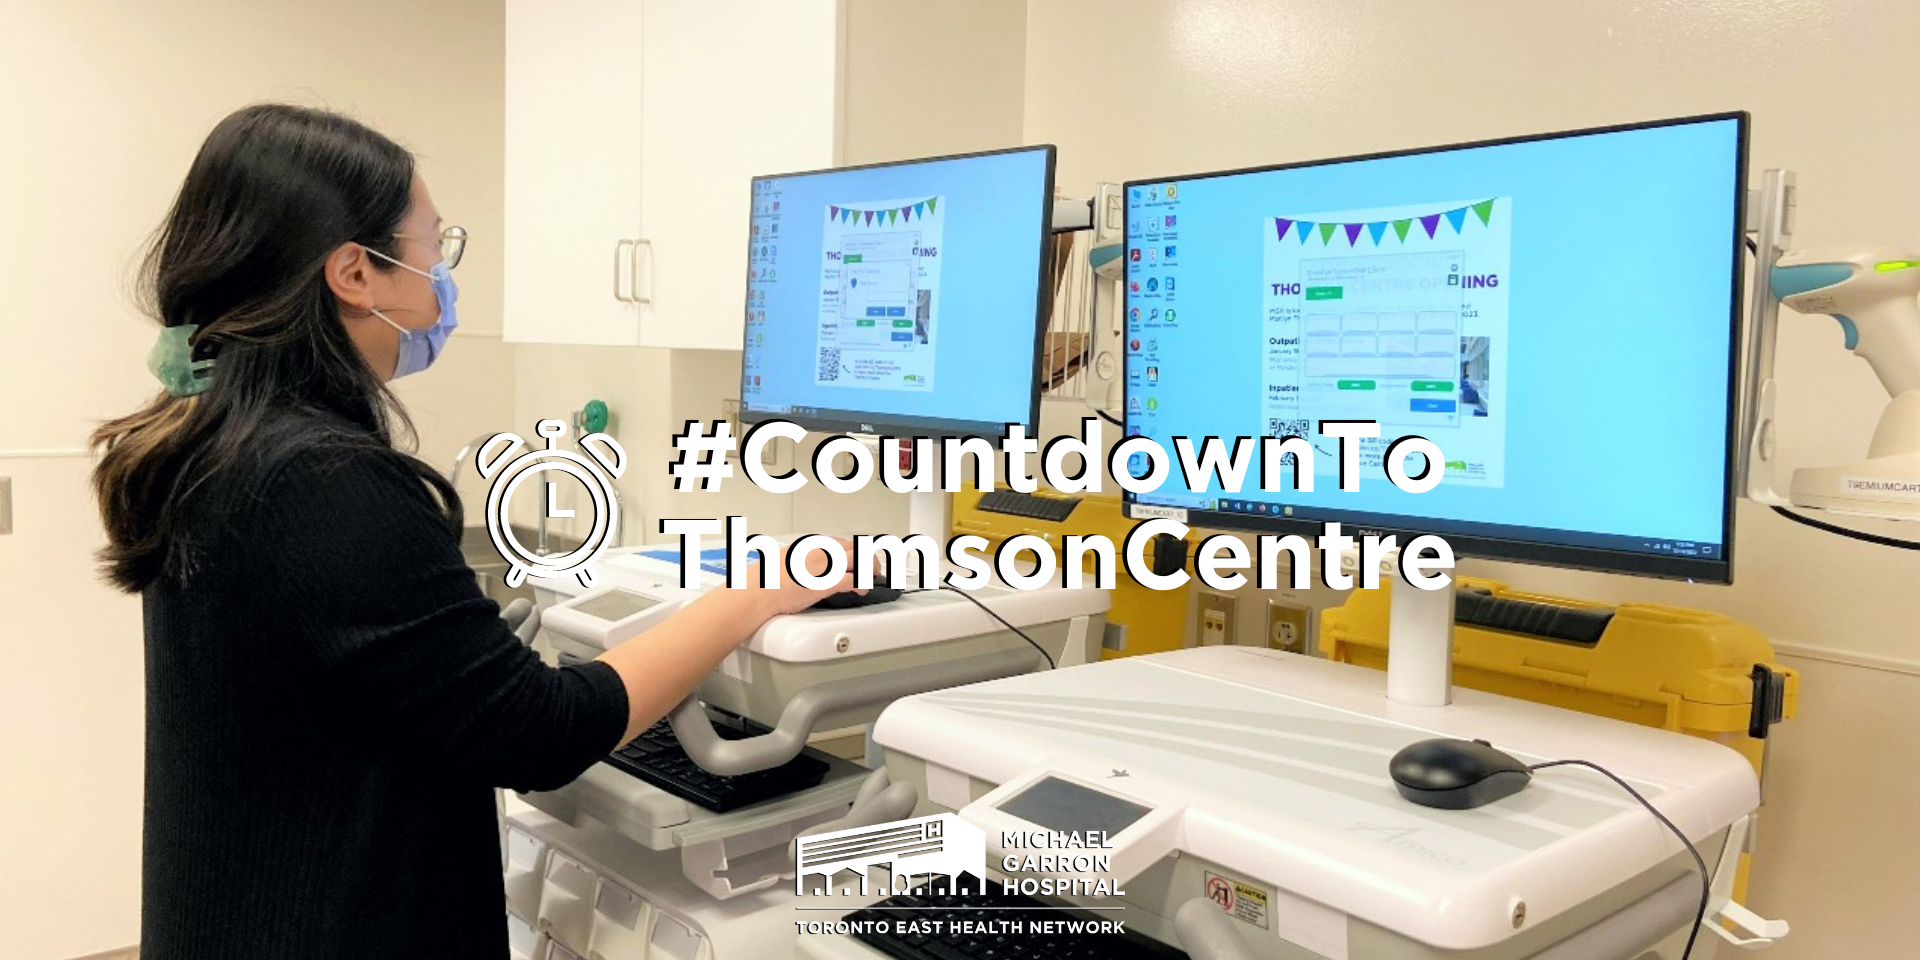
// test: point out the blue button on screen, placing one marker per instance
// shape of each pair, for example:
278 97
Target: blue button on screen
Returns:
876 311
902 337
1433 406
896 311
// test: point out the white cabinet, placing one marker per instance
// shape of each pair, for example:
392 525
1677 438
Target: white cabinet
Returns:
573 156
634 128
733 88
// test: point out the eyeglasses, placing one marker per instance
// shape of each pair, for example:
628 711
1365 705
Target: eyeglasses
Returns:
452 241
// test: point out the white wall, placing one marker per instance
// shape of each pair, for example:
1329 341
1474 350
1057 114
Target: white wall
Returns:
1140 88
102 105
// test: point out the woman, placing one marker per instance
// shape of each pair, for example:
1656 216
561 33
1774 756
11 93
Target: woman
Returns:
330 698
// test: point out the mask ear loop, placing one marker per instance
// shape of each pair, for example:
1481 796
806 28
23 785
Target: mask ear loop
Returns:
401 264
404 266
389 320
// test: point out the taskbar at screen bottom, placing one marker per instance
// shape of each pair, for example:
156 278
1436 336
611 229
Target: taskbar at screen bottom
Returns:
823 420
1575 549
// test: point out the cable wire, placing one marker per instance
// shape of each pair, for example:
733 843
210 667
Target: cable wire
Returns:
1706 879
1051 665
1849 533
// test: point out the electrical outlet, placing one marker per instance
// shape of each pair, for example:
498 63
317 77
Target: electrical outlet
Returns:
6 505
777 456
1214 619
1288 626
730 411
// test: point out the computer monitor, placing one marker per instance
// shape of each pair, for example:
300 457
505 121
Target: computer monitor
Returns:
904 299
1558 313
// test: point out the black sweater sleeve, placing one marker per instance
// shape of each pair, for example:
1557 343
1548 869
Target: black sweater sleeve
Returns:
360 571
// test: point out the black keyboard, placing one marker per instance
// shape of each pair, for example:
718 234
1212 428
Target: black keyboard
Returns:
1029 505
883 929
657 758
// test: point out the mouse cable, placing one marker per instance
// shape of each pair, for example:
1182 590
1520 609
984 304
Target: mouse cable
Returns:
989 612
1706 879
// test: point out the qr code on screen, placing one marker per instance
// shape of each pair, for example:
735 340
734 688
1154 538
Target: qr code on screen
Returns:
829 365
1282 429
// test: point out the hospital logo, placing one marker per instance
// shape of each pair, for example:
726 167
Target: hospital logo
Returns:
941 845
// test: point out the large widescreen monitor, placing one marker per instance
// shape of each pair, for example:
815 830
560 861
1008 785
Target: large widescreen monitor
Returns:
1558 313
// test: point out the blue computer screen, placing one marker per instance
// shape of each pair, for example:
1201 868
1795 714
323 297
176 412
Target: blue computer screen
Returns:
1557 314
900 298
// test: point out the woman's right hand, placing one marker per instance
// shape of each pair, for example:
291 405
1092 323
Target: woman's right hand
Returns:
663 665
791 597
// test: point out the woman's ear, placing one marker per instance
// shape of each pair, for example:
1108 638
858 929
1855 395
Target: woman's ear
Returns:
350 276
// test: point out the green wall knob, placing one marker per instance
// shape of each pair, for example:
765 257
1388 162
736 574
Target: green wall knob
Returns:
594 416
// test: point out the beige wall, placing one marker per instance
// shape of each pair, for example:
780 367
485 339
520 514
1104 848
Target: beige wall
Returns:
1138 88
104 105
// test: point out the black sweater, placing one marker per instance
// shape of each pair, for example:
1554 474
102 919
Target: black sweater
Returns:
330 700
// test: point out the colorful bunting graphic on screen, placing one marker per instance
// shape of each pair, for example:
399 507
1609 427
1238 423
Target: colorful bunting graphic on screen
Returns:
1376 230
862 216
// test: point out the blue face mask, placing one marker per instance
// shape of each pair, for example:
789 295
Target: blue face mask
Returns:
419 348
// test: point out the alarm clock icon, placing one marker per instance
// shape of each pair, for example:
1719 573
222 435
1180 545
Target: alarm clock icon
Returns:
605 460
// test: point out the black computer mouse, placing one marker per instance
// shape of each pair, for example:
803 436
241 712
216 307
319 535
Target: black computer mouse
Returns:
847 599
1456 774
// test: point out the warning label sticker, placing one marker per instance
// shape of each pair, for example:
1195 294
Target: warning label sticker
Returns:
1242 901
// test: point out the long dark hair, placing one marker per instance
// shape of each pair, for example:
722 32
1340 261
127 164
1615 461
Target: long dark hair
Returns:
274 190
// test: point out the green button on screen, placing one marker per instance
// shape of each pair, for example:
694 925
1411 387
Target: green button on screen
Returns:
863 323
903 323
1324 293
1433 386
1355 384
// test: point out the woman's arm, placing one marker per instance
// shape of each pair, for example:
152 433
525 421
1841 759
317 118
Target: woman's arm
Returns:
663 665
359 581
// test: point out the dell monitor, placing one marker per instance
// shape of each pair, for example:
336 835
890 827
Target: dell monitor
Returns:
905 299
1558 313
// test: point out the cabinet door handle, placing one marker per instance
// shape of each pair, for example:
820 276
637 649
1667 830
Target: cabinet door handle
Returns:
634 284
617 247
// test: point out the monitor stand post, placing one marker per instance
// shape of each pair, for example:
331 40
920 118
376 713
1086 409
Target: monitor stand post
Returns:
1419 635
928 512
